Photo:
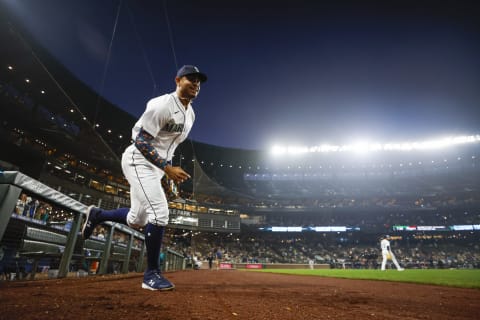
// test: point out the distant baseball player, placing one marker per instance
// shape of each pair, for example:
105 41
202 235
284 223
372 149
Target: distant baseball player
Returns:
388 254
165 123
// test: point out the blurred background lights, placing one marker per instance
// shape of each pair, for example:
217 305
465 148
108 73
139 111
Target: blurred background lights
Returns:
364 147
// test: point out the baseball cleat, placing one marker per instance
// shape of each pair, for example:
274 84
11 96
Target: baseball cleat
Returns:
153 280
90 221
401 269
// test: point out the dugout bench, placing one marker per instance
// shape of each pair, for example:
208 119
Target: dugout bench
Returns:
37 240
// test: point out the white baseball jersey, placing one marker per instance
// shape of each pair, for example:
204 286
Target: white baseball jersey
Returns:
385 245
167 120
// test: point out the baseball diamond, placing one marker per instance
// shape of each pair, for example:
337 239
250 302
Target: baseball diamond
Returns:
234 294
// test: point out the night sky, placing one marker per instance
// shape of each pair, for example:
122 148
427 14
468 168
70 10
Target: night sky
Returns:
284 72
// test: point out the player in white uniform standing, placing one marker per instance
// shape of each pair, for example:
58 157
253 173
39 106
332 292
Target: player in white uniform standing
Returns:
388 254
165 123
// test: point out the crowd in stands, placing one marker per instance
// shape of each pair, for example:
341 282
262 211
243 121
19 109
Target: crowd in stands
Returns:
447 250
379 221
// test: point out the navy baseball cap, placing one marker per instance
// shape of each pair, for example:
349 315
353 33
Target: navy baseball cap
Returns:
188 69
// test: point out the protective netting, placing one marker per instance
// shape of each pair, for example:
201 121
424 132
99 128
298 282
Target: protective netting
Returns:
203 185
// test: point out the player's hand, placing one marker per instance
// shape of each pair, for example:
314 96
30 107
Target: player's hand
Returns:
176 174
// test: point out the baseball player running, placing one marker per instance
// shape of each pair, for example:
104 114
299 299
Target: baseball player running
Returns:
388 254
165 123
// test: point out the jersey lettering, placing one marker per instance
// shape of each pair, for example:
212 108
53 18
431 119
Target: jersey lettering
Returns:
171 126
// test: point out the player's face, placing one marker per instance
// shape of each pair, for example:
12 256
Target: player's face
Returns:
188 85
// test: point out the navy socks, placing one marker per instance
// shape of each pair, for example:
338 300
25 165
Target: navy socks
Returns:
117 215
153 234
153 242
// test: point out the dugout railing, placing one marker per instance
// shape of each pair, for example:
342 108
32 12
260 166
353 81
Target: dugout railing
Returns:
23 237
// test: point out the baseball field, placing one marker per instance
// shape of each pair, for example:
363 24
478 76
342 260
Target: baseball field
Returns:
444 277
236 294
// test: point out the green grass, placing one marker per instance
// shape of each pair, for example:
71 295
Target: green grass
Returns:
444 277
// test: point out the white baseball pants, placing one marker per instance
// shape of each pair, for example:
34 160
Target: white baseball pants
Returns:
385 254
148 201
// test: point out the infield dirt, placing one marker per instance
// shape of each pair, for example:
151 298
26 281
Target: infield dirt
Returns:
233 294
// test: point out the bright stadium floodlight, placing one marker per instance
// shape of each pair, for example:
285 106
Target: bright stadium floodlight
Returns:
364 147
291 150
328 148
278 150
295 150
